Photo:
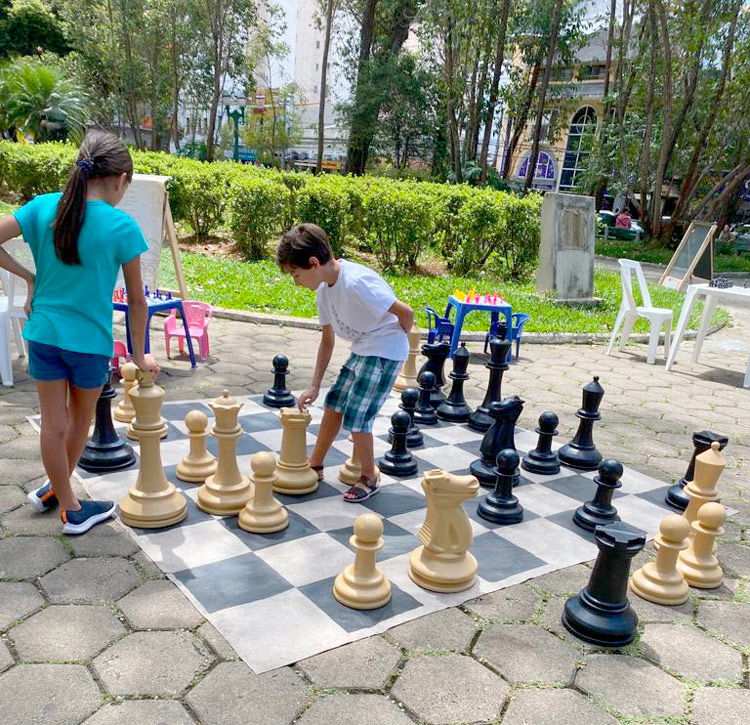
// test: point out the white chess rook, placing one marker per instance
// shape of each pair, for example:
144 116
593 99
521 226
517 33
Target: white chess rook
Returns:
294 476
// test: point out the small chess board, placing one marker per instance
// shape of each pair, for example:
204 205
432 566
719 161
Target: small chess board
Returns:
270 595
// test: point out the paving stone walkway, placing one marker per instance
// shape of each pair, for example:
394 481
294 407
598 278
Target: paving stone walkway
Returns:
91 632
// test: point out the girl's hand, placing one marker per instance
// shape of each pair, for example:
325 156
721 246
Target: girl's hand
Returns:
147 362
29 297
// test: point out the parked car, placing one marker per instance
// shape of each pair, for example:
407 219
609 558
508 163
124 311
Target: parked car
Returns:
635 233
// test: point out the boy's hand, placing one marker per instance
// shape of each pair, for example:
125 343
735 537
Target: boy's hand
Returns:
308 397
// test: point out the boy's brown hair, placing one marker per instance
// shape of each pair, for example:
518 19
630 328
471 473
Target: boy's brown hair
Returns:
300 244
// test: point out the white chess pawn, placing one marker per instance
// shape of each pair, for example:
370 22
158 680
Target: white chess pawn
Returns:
697 563
659 581
263 514
199 464
363 585
125 412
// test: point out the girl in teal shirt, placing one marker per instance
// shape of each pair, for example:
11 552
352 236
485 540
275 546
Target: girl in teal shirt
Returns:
79 242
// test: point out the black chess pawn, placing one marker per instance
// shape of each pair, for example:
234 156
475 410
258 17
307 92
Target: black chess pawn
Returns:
398 461
454 407
414 438
278 396
702 442
600 511
601 613
500 436
501 506
480 420
425 414
436 354
105 451
581 453
543 459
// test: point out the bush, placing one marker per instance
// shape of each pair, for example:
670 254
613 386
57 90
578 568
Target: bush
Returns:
257 209
35 169
294 181
398 221
326 205
518 252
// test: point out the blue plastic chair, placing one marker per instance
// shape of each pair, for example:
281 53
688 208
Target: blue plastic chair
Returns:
519 320
437 327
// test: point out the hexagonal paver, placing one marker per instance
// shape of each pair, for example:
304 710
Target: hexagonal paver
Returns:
648 690
449 689
365 665
524 653
651 612
536 706
342 709
675 647
729 619
734 558
52 695
90 581
27 557
27 522
565 581
10 498
514 604
217 642
721 706
65 633
159 604
231 694
16 472
17 599
6 658
107 539
449 629
140 712
152 663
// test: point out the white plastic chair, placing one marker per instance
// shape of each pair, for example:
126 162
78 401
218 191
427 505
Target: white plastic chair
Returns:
630 312
12 315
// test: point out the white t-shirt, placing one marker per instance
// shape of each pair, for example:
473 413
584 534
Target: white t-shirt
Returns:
356 306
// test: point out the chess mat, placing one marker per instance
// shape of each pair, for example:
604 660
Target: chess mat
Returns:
270 595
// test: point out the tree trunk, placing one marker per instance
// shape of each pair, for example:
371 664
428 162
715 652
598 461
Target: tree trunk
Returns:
519 124
175 85
601 185
645 162
494 90
216 17
555 27
323 81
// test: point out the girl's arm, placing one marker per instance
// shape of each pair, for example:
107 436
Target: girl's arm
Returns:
137 314
9 229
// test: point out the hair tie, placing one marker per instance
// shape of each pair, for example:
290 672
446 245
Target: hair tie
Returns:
86 164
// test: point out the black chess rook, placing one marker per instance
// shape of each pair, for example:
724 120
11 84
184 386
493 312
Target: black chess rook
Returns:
543 459
454 407
481 420
581 453
278 396
501 506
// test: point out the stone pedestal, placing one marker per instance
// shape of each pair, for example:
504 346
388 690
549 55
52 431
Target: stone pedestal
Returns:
153 502
407 378
294 476
227 491
263 514
566 250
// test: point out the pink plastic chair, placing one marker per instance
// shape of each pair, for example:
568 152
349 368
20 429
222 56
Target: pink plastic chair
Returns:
198 316
120 351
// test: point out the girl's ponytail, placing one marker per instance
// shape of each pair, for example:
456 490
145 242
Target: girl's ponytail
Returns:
101 154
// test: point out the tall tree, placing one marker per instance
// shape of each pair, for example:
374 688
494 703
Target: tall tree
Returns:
324 85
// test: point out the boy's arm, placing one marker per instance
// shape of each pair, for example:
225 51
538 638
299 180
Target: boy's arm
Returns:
404 313
325 350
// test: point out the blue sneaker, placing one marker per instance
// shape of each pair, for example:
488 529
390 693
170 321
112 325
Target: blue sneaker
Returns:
43 499
90 514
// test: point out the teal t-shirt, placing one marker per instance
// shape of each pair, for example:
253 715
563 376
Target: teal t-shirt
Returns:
72 305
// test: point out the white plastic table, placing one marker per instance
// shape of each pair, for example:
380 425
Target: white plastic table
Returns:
712 295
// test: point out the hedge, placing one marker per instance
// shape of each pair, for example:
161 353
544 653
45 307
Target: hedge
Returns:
397 220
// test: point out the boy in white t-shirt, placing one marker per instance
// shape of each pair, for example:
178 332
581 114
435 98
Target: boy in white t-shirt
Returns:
356 304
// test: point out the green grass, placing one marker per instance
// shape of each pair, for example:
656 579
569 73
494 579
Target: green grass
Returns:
633 250
6 208
261 287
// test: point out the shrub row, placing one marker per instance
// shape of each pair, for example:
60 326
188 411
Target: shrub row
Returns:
397 220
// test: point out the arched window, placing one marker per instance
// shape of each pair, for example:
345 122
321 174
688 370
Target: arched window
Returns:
580 135
544 176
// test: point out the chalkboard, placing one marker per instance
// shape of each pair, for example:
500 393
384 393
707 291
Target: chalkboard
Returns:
692 258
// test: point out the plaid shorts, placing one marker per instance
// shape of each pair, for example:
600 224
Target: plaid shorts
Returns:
361 389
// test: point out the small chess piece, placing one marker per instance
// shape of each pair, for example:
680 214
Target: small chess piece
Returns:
294 476
581 453
501 506
600 511
454 407
425 414
277 396
543 459
263 514
398 461
659 581
481 420
198 464
125 412
363 585
407 378
702 441
436 354
702 489
351 471
697 563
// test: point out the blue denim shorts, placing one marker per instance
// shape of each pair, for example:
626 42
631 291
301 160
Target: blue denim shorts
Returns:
81 369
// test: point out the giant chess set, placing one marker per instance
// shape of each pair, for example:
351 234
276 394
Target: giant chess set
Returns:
219 494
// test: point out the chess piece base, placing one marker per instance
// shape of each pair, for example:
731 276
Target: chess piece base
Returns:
648 584
480 421
274 399
403 382
264 522
295 481
224 500
397 468
589 516
361 595
131 434
677 497
547 466
596 622
487 475
123 416
153 511
425 417
582 459
349 473
198 471
500 511
453 413
449 574
106 457
698 575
